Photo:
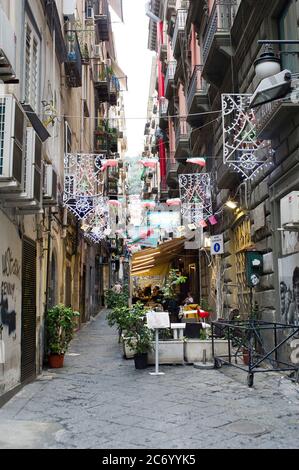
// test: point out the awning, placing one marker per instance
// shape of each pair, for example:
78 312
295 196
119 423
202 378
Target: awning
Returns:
117 6
147 261
120 75
36 122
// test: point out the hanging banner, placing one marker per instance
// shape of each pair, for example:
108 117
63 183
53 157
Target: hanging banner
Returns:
242 151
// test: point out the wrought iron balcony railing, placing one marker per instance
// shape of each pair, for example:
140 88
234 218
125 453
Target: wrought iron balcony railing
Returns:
182 130
180 24
171 166
170 72
196 85
73 64
163 107
221 20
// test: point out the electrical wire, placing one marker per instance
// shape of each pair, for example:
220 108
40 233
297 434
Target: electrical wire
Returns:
99 118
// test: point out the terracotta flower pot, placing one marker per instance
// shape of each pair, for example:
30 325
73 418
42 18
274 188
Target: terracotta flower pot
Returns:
55 360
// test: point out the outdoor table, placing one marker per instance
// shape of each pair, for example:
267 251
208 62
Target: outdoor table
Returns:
178 330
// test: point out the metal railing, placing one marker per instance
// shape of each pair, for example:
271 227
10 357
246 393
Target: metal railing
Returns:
171 166
180 24
170 72
196 85
221 20
182 130
163 107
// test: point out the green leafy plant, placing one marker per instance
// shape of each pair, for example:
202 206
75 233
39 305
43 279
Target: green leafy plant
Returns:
172 281
138 335
114 299
60 325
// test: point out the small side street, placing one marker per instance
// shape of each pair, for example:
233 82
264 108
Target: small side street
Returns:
98 400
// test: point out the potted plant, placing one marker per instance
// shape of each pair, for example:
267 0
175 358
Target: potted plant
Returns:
138 335
60 325
169 292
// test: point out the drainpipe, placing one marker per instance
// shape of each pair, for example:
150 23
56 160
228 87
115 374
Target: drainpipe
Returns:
48 268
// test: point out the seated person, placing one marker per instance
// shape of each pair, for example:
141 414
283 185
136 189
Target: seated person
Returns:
189 299
157 295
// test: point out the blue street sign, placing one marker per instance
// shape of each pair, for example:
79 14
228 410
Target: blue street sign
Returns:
217 247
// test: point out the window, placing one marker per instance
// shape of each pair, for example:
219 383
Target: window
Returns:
32 53
288 29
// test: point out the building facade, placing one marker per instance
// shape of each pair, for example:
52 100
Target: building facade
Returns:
59 87
206 49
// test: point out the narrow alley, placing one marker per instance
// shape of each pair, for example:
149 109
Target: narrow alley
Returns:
100 401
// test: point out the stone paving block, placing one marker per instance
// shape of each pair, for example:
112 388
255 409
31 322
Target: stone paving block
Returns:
114 406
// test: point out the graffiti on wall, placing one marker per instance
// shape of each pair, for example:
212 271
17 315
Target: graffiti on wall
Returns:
11 271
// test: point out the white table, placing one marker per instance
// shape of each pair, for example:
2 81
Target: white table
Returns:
178 330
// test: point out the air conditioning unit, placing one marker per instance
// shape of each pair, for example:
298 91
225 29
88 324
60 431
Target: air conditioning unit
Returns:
50 186
31 196
289 209
195 239
12 143
7 48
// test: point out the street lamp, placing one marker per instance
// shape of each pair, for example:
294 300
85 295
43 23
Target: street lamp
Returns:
274 83
267 64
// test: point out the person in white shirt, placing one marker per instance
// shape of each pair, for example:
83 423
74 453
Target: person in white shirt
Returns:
189 299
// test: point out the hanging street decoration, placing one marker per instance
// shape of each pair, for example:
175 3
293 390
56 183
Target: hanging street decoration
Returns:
242 151
82 183
149 162
173 202
195 192
201 161
97 223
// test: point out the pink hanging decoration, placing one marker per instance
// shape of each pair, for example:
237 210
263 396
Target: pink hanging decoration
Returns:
112 163
197 161
148 204
150 164
173 202
114 203
213 220
202 223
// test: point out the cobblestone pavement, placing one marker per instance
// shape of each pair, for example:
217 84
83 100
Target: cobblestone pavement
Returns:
100 401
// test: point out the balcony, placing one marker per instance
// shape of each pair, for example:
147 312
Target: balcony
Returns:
101 142
114 89
163 121
101 81
172 172
270 117
197 97
169 79
170 8
162 52
102 28
182 133
73 63
227 178
7 50
195 14
217 50
179 31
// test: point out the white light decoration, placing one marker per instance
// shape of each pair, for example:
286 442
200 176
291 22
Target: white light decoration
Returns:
195 194
96 223
82 182
242 151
